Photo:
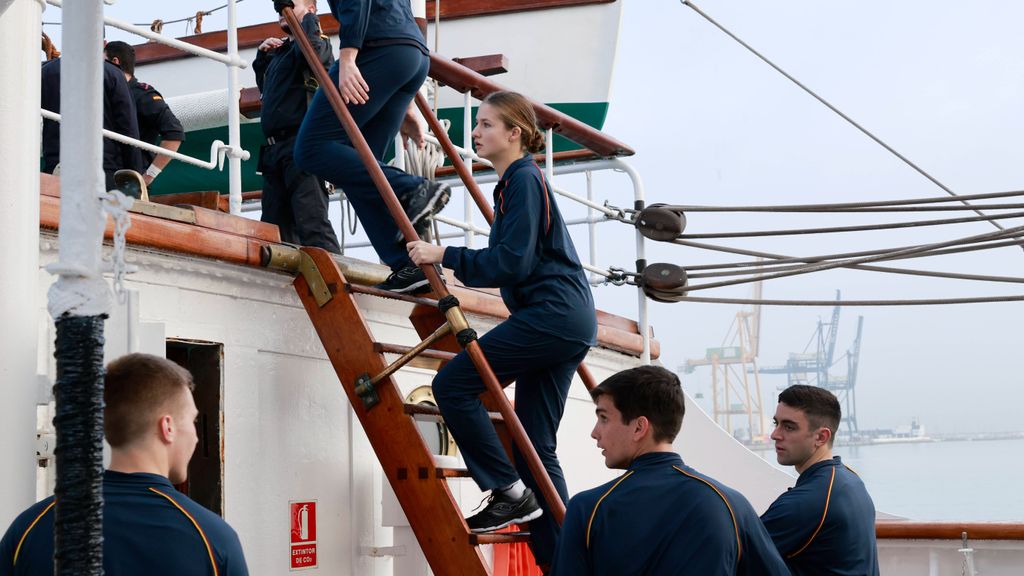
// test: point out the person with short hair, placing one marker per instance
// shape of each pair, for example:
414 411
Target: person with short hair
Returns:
148 526
157 123
825 524
531 258
118 116
661 516
293 199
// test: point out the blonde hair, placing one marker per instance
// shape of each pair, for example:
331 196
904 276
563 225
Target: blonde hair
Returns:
516 111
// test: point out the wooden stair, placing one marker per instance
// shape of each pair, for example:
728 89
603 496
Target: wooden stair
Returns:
420 485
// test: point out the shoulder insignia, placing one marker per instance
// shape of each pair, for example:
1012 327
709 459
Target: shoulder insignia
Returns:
157 97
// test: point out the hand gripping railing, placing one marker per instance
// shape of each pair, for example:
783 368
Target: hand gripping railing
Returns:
456 319
474 190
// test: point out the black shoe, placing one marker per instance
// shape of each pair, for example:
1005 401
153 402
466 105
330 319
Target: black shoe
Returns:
425 201
502 510
408 280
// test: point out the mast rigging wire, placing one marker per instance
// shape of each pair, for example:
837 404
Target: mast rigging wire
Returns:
827 104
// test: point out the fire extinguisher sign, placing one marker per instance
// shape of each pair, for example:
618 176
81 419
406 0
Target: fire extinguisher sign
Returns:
303 534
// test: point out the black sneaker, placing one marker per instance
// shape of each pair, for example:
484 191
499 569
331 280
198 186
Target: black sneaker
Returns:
408 280
425 201
502 510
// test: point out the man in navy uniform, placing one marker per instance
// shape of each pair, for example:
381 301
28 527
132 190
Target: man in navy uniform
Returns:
157 124
293 199
118 116
661 516
826 523
148 527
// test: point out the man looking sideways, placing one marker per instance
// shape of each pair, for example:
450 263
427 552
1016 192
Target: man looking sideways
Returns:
826 523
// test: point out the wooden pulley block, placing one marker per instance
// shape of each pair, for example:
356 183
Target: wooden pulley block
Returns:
664 277
657 222
664 282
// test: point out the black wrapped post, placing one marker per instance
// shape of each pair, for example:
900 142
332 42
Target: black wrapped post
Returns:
78 524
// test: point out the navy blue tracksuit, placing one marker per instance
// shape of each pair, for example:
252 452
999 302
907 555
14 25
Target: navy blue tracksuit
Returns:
531 258
148 528
293 199
393 60
664 518
826 523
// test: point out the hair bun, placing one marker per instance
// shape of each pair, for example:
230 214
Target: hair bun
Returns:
537 142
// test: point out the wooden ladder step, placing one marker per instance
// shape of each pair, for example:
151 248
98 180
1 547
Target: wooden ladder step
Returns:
385 348
433 411
498 538
371 291
452 473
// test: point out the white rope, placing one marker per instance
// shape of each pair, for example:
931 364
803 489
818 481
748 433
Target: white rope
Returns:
425 162
118 205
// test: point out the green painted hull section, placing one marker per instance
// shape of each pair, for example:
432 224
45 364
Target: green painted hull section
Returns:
180 177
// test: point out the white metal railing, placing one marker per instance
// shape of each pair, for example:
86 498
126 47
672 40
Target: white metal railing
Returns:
218 150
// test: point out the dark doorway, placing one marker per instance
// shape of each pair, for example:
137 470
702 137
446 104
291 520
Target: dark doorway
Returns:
205 360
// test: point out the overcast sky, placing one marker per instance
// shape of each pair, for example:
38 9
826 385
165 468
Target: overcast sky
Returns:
940 81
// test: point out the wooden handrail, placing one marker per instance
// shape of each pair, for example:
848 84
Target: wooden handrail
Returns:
463 79
455 316
905 530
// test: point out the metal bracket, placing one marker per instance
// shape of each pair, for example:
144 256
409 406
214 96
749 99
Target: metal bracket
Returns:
315 280
366 391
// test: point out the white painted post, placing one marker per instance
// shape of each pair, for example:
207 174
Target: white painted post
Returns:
19 219
80 289
234 118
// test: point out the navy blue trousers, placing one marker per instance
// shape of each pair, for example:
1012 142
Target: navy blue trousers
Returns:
394 73
542 366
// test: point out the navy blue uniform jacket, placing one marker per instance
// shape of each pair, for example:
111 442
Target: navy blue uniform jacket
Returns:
369 23
664 518
118 116
156 121
281 76
148 528
826 523
531 258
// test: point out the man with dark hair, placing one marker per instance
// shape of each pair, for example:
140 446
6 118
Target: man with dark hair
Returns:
148 526
157 124
826 523
118 116
292 198
661 516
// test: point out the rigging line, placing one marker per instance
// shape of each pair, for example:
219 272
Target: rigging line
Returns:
864 260
842 205
884 269
780 259
190 18
921 302
878 140
818 209
859 228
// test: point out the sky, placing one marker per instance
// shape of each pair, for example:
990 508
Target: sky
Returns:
940 81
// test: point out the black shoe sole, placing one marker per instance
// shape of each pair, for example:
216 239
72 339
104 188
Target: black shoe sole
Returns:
435 205
537 513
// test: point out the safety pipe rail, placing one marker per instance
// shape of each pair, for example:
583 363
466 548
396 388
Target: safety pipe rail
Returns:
218 149
234 151
454 314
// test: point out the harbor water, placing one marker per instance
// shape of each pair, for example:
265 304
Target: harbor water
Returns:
943 481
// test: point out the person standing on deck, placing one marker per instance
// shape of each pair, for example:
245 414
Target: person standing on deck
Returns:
293 199
660 517
531 258
382 64
118 116
149 528
157 124
826 523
